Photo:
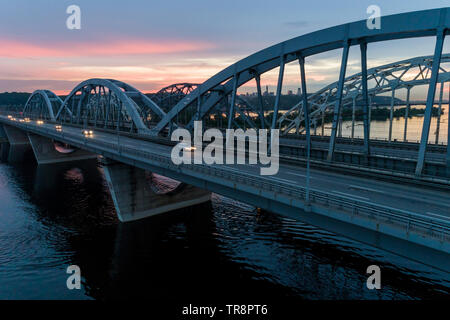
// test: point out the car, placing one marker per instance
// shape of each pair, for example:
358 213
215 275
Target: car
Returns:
187 146
88 133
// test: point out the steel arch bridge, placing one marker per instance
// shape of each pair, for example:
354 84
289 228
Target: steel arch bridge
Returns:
116 105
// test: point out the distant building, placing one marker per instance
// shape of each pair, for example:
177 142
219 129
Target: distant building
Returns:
299 92
290 93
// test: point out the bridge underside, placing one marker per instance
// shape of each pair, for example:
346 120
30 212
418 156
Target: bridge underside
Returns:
17 145
134 199
45 152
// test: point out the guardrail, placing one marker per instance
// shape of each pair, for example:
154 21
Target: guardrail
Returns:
438 228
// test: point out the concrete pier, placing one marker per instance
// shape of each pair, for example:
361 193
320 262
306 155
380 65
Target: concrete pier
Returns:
19 144
134 199
4 146
45 152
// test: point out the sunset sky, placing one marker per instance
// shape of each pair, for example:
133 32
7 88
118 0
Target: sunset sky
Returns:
151 44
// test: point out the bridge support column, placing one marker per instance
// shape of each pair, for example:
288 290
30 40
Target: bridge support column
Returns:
430 100
353 116
45 152
18 144
405 131
438 120
447 158
3 144
134 199
337 107
391 114
365 100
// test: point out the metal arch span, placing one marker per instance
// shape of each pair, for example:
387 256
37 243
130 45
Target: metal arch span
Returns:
169 96
387 78
425 23
400 26
42 104
110 103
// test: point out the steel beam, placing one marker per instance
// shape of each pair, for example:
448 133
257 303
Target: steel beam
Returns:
365 98
438 120
278 96
447 160
260 100
430 100
307 124
233 101
391 114
337 107
353 116
405 131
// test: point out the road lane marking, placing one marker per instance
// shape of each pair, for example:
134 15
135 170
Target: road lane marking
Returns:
297 174
438 215
350 195
397 195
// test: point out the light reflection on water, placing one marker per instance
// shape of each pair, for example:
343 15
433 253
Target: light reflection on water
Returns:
55 216
379 129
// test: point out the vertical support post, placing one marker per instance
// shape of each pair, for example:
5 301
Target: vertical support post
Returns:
279 87
405 131
365 98
447 160
260 100
97 106
199 104
353 117
307 124
370 112
337 107
340 124
430 100
323 123
438 121
391 114
233 101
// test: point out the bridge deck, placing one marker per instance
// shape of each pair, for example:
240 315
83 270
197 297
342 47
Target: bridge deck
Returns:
399 196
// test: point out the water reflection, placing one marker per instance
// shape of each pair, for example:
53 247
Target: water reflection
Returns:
54 216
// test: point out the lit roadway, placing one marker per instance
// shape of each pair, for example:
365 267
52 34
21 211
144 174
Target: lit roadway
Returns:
400 196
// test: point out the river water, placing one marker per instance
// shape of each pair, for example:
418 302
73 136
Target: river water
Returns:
60 215
379 129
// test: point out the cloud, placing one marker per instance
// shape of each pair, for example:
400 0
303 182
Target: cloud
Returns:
17 49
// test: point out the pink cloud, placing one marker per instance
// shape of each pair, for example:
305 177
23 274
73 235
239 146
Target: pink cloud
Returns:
17 49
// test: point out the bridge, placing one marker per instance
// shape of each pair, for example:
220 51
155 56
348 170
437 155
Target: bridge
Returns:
363 188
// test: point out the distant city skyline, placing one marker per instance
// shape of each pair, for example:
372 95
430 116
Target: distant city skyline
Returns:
154 44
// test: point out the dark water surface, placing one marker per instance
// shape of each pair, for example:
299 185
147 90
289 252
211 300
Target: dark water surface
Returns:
55 216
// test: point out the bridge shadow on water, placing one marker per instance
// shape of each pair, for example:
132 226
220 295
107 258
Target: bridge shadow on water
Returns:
215 251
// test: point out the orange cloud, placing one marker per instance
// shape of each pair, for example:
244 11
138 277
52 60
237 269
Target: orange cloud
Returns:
16 49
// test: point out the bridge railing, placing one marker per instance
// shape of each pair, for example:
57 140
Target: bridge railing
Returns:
434 227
